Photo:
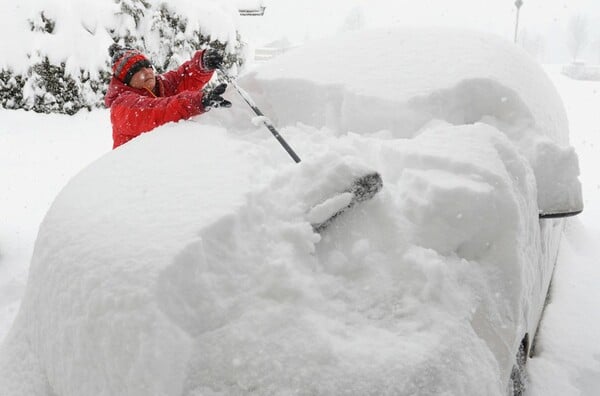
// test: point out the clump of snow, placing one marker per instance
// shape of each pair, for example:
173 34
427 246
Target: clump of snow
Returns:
447 201
556 169
259 120
184 262
323 211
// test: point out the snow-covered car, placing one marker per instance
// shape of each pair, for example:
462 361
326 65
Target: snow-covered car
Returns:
185 262
579 70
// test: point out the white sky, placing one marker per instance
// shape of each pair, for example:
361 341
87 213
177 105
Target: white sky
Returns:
310 19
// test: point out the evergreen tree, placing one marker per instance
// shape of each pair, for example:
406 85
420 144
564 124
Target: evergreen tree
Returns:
152 26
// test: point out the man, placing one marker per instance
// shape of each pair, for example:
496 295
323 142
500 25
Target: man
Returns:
140 101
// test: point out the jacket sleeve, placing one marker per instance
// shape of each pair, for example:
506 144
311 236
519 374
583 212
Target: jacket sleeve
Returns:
132 114
190 76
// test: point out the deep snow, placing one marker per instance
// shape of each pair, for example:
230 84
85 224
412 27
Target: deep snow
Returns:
333 299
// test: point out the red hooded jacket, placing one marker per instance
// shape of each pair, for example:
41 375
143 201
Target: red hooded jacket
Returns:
177 95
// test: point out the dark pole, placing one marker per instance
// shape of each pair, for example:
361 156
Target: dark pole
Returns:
259 113
518 4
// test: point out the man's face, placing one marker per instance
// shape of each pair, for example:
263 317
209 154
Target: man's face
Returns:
144 78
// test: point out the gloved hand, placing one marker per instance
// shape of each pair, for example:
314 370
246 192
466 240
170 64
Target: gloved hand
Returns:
213 98
212 59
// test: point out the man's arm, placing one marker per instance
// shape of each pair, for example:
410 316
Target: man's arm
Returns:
132 114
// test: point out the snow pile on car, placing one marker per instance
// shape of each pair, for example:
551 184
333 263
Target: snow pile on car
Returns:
160 270
184 262
402 79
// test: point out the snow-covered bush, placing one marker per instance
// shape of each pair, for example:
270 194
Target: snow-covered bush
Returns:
60 62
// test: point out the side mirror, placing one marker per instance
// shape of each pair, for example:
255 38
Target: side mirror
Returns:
556 171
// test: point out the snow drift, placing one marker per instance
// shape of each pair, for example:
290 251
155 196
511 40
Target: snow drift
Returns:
184 262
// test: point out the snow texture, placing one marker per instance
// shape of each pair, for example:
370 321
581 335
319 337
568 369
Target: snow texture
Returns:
323 211
184 261
419 82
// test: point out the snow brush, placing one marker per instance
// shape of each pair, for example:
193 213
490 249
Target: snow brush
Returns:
320 216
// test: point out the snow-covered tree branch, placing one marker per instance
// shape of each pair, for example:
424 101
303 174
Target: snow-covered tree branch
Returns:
58 59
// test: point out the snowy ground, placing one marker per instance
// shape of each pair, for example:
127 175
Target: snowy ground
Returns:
36 165
39 154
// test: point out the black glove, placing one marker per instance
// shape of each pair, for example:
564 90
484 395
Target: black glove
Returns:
212 59
213 98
